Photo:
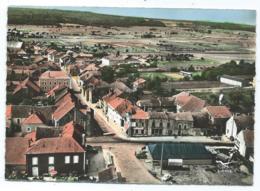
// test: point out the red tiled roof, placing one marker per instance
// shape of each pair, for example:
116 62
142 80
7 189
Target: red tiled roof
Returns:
27 83
140 114
16 148
8 112
32 119
219 111
68 129
54 74
194 104
114 103
63 109
189 102
55 145
53 90
31 136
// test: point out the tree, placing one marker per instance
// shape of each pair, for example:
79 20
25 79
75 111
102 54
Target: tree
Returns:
107 74
191 69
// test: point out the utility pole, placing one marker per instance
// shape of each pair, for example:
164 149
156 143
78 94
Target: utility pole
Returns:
162 157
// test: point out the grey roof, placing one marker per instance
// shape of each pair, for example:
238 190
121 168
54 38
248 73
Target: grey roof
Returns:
236 78
184 116
46 132
179 151
121 86
23 111
244 122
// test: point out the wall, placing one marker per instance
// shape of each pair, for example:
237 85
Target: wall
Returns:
59 163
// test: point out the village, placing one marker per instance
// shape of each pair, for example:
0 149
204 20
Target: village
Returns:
130 105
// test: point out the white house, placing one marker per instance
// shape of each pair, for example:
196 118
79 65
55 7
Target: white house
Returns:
105 62
237 123
245 143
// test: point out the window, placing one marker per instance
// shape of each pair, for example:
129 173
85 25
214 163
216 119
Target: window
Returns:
51 160
28 129
34 160
67 159
76 159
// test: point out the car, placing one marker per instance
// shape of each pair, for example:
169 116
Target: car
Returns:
91 149
166 177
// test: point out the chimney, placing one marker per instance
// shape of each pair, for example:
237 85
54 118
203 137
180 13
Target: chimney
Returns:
83 139
29 142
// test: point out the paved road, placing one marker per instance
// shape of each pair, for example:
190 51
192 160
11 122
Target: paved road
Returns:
111 127
126 162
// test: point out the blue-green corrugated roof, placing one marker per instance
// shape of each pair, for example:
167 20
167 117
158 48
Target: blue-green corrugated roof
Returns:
179 151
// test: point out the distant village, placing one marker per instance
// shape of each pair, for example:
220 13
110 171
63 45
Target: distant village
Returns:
59 97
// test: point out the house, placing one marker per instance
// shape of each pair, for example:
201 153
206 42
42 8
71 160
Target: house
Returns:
32 122
179 154
186 102
74 131
18 113
157 104
186 74
244 142
51 53
139 83
60 155
237 123
113 60
93 89
69 108
15 149
26 89
218 116
239 81
116 109
143 123
169 124
15 45
49 79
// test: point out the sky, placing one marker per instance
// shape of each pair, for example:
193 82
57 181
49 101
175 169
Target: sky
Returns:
217 15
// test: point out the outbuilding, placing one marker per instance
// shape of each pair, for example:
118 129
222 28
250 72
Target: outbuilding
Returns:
178 154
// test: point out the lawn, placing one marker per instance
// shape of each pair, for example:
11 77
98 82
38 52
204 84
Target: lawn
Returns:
193 62
161 75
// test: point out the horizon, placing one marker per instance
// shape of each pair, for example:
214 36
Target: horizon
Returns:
186 14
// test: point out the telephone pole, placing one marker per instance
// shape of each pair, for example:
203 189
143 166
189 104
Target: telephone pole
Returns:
162 157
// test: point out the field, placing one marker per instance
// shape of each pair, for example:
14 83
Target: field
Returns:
162 75
194 62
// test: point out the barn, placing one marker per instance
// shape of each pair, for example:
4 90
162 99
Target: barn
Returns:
179 154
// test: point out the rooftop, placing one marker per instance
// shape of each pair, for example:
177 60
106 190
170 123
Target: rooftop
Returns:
55 145
54 74
179 151
15 150
219 111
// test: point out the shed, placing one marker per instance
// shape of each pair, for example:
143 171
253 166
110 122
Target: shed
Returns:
188 153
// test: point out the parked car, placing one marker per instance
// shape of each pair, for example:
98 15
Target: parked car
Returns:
166 177
91 149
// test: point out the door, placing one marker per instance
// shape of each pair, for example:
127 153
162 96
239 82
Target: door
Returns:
35 171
